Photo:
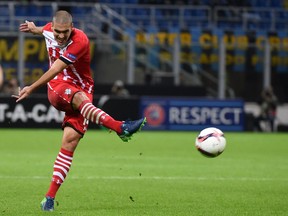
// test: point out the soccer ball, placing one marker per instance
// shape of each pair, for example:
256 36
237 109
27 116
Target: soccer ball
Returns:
210 142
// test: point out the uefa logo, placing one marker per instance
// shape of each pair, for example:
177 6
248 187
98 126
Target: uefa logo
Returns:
155 114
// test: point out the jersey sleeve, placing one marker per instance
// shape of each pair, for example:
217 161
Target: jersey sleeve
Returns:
75 50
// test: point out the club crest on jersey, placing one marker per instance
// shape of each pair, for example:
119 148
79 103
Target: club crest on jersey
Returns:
71 56
68 91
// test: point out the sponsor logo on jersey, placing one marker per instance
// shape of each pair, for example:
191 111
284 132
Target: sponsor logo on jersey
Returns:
68 91
71 56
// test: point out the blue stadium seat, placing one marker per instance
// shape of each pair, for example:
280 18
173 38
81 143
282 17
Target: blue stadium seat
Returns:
264 26
39 11
158 13
129 11
260 3
117 22
21 10
280 26
142 11
267 4
132 1
118 9
265 14
152 29
116 1
130 32
173 29
40 23
282 14
277 4
47 11
4 10
4 23
81 11
195 34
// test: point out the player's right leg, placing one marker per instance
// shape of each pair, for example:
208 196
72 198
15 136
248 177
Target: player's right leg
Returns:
131 127
124 129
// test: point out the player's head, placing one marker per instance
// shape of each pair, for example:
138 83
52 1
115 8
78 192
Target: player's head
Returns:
62 26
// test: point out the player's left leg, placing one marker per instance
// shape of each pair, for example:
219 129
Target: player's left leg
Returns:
62 166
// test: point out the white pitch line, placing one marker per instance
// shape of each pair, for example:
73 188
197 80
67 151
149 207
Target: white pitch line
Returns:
171 178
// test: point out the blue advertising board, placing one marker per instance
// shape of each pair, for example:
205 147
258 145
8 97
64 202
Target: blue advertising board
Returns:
192 114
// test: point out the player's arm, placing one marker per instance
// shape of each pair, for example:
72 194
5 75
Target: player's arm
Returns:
31 28
56 68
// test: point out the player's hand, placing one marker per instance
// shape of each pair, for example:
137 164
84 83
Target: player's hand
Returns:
28 27
23 93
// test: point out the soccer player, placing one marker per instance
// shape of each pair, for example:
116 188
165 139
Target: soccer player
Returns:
70 89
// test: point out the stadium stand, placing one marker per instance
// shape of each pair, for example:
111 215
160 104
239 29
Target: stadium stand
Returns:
117 19
265 15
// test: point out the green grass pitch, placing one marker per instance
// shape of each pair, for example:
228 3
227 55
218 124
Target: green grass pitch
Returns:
157 173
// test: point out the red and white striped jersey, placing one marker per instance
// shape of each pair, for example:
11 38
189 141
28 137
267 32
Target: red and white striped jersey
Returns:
76 54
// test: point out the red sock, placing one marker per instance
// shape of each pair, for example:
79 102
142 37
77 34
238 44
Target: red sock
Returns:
98 116
61 168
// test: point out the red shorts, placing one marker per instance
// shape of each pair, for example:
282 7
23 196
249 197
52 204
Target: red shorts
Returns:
60 95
